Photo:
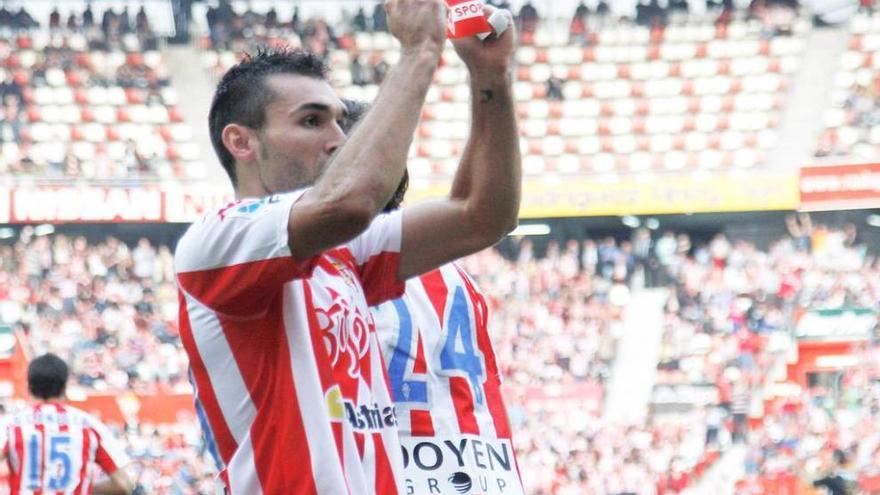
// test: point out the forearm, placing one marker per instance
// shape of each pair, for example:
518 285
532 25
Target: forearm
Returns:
489 176
371 162
108 487
118 484
484 200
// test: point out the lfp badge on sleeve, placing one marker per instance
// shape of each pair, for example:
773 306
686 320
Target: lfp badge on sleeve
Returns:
459 465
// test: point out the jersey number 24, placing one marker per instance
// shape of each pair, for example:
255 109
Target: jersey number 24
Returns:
459 355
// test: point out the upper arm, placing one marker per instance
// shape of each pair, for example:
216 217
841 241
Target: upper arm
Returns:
231 259
439 231
376 255
320 221
110 453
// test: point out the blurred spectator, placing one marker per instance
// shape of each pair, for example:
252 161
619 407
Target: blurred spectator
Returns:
72 22
11 87
837 481
295 21
55 19
554 89
133 161
649 13
577 31
12 120
5 17
109 22
272 18
380 68
359 21
360 74
380 22
88 17
500 4
23 20
528 17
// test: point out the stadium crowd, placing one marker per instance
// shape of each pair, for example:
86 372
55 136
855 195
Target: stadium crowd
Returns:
110 309
142 135
89 99
727 327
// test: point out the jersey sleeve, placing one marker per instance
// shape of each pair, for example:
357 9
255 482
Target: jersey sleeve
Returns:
233 260
110 453
377 256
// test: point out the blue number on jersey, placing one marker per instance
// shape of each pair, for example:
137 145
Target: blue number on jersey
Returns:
405 390
460 330
34 458
59 452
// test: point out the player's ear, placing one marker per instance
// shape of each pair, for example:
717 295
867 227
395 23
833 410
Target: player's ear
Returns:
241 142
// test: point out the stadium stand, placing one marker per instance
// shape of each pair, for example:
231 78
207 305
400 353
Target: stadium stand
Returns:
852 125
692 96
91 102
108 309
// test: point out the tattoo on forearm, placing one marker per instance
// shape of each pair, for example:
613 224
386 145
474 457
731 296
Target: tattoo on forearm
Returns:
486 95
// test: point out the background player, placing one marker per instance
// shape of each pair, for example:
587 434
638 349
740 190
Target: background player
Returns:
444 378
51 446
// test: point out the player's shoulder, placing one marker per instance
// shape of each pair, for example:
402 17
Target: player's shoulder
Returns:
228 226
225 216
75 415
451 274
91 423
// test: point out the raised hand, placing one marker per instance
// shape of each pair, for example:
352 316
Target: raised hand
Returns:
495 53
417 22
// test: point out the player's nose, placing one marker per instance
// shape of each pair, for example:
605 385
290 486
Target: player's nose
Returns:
337 137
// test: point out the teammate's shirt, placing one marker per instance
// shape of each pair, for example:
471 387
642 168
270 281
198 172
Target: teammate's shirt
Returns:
445 382
51 448
289 379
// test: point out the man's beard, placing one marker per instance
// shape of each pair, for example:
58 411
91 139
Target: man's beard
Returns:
296 177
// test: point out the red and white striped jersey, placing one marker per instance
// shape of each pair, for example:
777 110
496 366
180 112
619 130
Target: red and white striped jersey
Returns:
289 379
446 385
51 449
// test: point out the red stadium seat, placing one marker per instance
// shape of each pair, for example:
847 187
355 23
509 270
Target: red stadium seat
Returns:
134 59
80 96
134 96
87 114
22 77
24 42
175 115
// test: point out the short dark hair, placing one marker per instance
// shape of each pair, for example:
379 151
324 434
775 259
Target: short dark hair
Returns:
354 110
47 376
241 95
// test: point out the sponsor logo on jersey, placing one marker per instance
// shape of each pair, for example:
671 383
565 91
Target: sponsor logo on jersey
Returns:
344 272
360 417
346 334
461 481
467 464
246 207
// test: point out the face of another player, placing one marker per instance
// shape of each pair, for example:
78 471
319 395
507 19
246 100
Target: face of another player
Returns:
300 133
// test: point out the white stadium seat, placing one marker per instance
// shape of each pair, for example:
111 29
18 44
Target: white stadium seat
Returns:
660 143
598 71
